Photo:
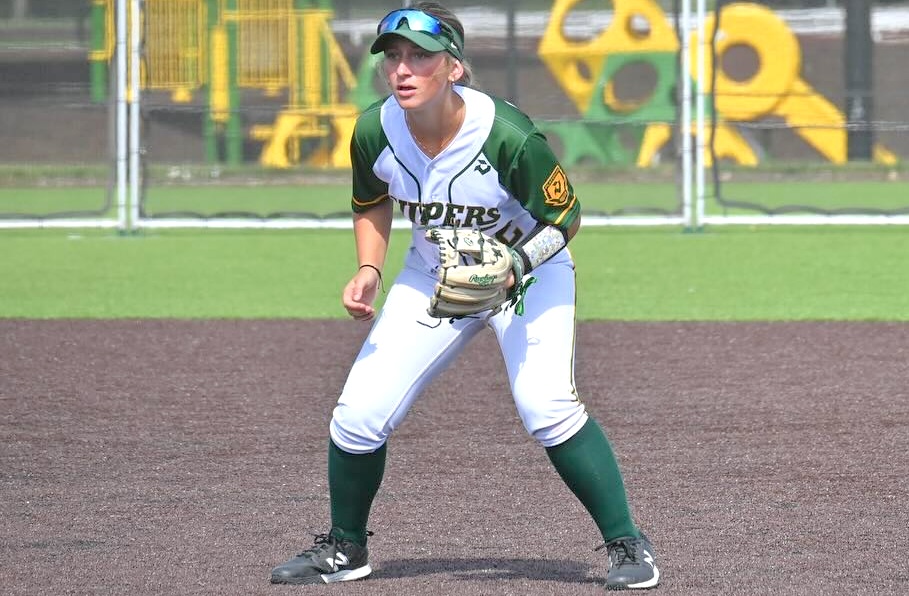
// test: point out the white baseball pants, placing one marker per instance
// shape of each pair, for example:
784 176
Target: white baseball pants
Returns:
407 349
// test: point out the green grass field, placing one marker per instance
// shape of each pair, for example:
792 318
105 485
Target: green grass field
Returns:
327 199
643 274
639 274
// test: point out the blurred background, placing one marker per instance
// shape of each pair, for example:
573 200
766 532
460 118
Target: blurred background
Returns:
267 90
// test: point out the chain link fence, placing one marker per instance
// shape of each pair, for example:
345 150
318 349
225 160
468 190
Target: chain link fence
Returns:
57 113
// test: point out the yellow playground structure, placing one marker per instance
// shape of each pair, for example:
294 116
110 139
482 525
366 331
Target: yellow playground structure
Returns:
225 49
639 36
216 52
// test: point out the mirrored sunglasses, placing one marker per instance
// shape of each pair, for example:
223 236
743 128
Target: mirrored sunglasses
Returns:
416 21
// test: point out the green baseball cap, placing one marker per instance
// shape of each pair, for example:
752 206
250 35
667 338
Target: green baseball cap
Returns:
420 28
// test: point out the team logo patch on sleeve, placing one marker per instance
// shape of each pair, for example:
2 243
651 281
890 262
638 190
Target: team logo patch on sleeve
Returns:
556 188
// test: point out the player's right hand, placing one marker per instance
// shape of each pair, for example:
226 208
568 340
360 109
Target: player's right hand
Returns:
360 294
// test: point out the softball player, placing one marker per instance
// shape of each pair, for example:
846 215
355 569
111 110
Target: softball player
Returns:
446 154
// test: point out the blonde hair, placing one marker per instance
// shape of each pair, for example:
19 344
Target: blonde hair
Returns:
449 18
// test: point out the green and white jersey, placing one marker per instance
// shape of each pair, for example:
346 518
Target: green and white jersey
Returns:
498 174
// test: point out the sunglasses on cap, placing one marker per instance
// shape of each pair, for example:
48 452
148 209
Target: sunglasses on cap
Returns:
422 22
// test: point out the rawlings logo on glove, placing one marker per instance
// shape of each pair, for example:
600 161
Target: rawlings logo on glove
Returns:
485 280
473 274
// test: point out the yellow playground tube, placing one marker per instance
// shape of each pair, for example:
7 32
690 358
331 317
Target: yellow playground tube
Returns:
776 89
640 30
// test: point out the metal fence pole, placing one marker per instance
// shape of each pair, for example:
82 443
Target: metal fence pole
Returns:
512 53
859 93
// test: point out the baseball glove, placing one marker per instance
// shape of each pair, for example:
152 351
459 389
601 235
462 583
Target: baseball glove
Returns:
473 274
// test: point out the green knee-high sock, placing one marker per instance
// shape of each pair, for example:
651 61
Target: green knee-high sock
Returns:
588 466
353 481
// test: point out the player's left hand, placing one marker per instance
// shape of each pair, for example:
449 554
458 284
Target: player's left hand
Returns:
477 273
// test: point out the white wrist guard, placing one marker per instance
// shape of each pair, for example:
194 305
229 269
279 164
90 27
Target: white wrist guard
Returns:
542 244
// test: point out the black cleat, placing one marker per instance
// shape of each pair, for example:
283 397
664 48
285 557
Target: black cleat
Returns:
329 560
631 564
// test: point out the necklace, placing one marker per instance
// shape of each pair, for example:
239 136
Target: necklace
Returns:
426 149
432 149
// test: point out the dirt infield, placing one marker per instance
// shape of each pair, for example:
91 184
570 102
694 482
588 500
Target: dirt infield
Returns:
174 457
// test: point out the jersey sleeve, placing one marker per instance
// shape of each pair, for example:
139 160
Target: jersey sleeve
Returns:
366 146
538 180
529 169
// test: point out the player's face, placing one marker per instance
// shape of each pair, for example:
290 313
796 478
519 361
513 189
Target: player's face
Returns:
416 77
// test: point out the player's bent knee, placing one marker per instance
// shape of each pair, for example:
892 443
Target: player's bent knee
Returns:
559 432
353 433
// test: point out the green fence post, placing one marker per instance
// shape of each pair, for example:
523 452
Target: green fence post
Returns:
297 78
99 57
210 128
234 134
325 58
